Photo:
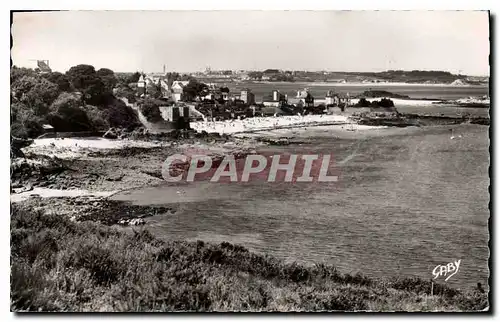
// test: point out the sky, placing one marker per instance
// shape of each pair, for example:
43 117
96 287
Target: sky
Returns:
188 41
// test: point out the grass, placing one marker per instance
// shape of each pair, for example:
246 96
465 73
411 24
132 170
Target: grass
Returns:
60 265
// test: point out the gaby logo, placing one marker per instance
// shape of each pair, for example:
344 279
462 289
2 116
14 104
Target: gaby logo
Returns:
252 167
448 270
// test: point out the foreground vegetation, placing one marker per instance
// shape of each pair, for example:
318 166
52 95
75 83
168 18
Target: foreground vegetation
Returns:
61 265
82 99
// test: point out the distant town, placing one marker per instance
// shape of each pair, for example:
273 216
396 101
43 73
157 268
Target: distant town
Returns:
279 75
178 99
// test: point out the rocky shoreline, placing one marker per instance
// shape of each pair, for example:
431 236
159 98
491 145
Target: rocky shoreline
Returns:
72 165
99 171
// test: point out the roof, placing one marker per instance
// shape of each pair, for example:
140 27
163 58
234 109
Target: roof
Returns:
180 84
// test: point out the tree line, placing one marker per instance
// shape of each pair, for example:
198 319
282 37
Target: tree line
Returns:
81 99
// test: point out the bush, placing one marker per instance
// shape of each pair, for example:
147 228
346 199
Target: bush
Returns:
126 92
24 123
61 80
67 115
363 103
150 109
118 114
97 118
35 92
70 119
385 102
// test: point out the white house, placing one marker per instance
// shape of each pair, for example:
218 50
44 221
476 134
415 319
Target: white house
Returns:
178 89
141 83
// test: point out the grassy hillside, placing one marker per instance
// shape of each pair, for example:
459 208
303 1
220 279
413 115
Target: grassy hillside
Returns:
60 265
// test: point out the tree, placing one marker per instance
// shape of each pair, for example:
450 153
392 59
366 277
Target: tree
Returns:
363 103
108 78
23 85
118 114
23 122
255 75
68 115
154 90
134 78
18 72
35 92
194 89
172 77
61 80
150 109
271 71
126 92
185 77
85 79
65 100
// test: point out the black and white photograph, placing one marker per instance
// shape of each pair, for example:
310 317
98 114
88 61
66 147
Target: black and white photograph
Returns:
250 161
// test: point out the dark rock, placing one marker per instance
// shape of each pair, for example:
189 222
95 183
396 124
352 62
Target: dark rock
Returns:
115 177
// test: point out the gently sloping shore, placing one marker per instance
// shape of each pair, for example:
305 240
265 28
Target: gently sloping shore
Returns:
60 265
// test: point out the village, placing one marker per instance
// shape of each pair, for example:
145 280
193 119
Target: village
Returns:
214 101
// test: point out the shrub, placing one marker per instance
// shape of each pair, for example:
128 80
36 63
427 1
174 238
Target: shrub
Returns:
35 92
118 114
150 109
363 103
61 80
384 102
67 115
97 118
24 122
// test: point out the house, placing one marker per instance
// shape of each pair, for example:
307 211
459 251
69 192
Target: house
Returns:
216 93
177 90
334 99
141 83
344 99
225 93
247 96
275 100
304 98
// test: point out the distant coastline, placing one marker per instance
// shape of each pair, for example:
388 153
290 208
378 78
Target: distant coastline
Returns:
369 84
